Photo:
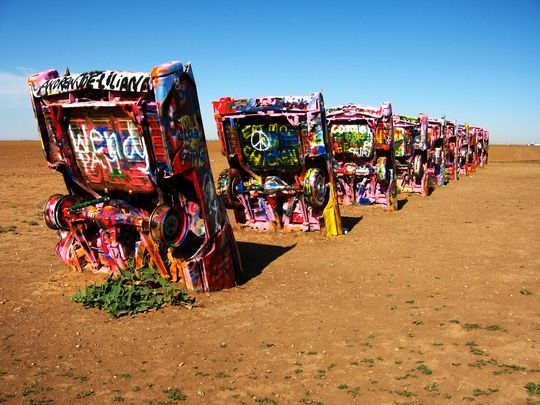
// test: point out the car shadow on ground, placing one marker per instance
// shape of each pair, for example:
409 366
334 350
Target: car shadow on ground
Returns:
348 223
257 256
402 203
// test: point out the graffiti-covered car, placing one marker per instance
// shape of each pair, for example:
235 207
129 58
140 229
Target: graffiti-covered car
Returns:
410 142
132 152
436 153
475 147
483 148
451 150
364 159
279 175
463 158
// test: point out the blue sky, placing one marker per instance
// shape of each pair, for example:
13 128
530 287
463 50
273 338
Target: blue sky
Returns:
474 61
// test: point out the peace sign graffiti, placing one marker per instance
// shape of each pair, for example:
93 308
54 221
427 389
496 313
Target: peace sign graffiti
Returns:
260 141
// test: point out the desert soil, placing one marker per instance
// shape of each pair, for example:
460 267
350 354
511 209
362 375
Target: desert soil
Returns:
438 302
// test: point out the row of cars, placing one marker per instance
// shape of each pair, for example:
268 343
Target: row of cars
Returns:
139 187
290 157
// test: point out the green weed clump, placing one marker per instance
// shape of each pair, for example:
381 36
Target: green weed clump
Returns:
131 292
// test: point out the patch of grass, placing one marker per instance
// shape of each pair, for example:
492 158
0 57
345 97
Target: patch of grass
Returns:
368 362
424 369
298 371
482 363
418 322
117 398
471 326
478 392
9 228
31 222
34 389
454 321
410 302
406 393
131 292
493 328
5 397
354 392
514 367
343 386
221 374
471 343
201 374
532 388
478 352
175 394
85 394
311 353
123 375
524 291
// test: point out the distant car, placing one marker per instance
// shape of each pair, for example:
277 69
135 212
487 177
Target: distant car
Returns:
463 158
132 152
452 144
410 141
481 145
436 151
279 156
363 148
483 148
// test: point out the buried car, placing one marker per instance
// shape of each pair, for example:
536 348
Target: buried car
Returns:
363 148
132 152
463 139
436 153
279 174
451 150
410 141
483 148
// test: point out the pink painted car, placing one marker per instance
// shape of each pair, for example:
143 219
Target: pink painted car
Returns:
452 145
410 142
132 152
279 175
463 158
436 151
363 147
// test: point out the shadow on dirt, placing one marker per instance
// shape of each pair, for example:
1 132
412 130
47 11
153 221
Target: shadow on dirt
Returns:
256 256
402 203
349 223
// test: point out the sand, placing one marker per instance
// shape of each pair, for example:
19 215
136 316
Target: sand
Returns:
436 302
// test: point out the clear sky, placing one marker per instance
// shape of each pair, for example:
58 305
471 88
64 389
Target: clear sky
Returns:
474 61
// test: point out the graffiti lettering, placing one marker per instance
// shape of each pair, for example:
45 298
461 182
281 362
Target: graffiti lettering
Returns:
98 80
101 148
352 138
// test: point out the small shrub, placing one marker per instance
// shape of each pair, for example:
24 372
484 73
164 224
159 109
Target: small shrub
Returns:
175 394
532 388
131 292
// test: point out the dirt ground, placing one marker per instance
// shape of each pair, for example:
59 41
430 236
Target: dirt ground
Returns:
438 302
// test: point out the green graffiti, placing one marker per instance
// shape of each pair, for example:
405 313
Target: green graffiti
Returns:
352 138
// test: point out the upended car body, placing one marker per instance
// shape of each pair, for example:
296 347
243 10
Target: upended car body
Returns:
464 140
363 148
472 161
436 151
480 137
452 144
483 148
410 141
279 175
132 152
